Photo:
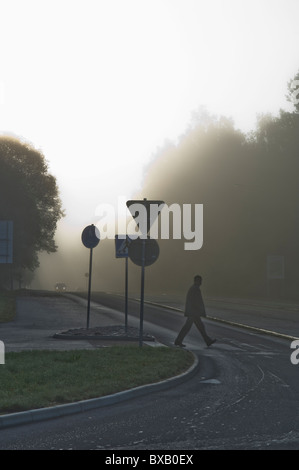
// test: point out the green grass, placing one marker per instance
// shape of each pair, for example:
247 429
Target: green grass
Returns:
37 379
7 306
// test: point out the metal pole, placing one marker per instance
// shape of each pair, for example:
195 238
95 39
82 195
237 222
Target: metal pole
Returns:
142 293
89 287
126 298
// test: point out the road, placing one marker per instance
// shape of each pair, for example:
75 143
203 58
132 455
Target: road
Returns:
245 396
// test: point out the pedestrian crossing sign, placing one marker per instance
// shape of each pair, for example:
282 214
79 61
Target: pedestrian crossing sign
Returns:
122 243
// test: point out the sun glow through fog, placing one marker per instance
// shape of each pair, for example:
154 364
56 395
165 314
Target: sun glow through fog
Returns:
99 85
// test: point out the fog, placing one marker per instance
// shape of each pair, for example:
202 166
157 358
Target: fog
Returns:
101 94
248 186
70 265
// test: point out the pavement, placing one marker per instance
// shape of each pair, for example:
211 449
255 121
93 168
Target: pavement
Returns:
43 323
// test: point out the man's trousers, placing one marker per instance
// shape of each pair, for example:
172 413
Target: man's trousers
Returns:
187 326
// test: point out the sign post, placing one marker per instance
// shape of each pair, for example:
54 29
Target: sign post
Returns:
122 243
90 238
143 251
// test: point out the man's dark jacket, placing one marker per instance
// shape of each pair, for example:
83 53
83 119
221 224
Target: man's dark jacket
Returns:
194 303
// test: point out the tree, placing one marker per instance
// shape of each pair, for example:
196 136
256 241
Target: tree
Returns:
248 186
293 92
29 197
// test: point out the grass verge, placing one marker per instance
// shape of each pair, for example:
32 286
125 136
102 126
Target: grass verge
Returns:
7 306
37 379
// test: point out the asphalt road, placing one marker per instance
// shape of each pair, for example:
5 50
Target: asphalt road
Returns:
245 395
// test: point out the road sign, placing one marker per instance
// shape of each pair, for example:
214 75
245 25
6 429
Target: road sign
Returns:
122 243
6 241
90 236
145 212
144 251
151 251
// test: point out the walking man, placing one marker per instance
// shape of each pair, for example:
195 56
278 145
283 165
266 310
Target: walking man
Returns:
194 310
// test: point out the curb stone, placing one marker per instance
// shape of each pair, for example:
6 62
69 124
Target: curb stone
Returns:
101 337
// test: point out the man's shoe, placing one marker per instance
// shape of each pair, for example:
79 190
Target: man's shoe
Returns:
181 345
211 342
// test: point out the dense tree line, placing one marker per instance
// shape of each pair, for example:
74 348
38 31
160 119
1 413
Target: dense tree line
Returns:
248 185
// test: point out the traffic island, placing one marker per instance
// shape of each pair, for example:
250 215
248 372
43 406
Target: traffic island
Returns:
113 332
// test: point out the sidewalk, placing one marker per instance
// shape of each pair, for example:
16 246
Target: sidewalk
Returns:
47 322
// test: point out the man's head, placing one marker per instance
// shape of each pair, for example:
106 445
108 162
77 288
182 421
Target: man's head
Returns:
197 280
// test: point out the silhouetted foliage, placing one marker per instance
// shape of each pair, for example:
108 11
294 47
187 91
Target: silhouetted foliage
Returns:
29 197
248 185
293 92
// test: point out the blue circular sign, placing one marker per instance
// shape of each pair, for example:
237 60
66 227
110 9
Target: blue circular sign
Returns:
90 236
